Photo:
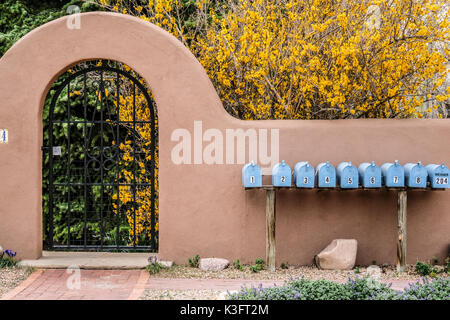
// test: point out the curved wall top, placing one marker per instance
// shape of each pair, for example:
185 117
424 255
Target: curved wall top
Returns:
36 60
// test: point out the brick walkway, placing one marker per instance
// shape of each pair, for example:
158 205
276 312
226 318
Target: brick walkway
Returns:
58 284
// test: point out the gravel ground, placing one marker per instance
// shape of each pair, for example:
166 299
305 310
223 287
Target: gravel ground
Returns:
11 277
310 272
180 295
183 272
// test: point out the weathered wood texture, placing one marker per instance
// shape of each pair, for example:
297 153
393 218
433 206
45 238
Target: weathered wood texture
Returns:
401 230
270 228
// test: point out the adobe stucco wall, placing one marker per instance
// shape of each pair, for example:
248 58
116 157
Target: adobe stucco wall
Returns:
203 208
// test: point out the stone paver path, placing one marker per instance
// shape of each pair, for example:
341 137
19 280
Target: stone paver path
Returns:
59 284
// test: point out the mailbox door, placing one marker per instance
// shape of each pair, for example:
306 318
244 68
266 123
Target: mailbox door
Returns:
372 177
349 178
418 177
439 176
251 176
326 177
394 176
304 178
282 176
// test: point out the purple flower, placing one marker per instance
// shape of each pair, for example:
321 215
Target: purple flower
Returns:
296 296
10 253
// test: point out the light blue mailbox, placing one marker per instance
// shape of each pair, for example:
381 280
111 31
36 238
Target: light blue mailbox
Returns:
393 174
369 175
347 175
304 175
325 175
438 175
416 175
281 175
251 175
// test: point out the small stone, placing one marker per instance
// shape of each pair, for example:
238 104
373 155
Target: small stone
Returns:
225 294
374 272
166 264
340 254
213 264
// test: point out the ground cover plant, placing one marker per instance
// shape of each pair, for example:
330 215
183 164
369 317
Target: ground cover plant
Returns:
194 262
7 258
154 266
258 266
360 288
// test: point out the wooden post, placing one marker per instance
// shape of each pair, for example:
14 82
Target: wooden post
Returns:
270 228
401 230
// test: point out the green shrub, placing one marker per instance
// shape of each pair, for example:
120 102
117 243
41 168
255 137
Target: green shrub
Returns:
437 289
284 265
7 258
193 262
258 266
423 268
237 264
354 289
301 289
154 268
357 270
368 289
259 261
7 262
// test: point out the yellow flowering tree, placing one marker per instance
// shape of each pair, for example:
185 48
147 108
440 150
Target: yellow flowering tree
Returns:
137 153
321 59
315 59
138 157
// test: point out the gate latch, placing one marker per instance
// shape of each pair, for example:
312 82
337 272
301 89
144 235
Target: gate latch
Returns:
56 151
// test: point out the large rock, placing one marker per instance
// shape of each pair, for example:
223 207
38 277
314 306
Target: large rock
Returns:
213 264
340 254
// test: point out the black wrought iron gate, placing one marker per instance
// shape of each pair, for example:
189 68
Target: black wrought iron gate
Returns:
102 179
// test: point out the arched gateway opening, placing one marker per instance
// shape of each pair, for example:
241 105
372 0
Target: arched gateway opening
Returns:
94 198
100 161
